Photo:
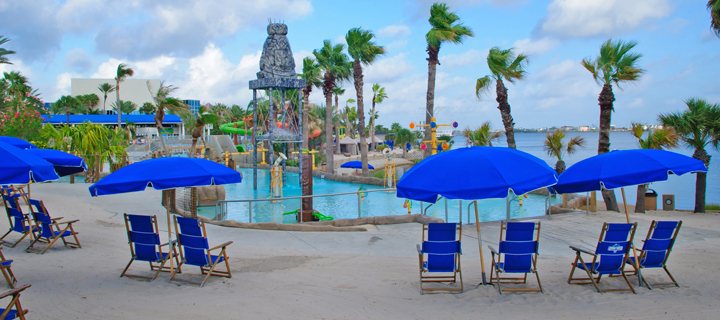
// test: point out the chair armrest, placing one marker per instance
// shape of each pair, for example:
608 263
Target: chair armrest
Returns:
221 246
66 222
419 249
582 250
492 250
167 243
58 218
14 291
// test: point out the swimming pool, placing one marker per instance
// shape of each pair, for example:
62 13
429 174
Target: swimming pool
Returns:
346 206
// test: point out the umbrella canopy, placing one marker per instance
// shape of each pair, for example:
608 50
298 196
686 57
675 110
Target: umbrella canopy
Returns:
17 166
355 165
475 173
17 142
64 163
165 173
625 168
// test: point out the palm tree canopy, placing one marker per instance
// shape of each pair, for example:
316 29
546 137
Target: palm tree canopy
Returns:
714 7
443 30
697 126
312 73
332 60
4 52
615 64
126 107
106 88
482 136
361 47
660 138
555 146
503 64
379 94
123 71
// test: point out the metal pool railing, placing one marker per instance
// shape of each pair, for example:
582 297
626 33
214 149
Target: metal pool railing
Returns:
221 205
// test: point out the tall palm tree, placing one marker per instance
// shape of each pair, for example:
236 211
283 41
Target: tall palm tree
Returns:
163 101
18 87
555 146
445 28
125 107
403 136
482 136
379 96
312 73
503 64
364 51
714 7
123 71
615 65
105 88
659 139
698 126
336 68
337 118
349 126
203 118
4 52
89 101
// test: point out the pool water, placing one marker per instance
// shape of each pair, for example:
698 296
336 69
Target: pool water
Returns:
379 203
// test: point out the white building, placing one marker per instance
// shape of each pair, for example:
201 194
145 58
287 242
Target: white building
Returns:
135 90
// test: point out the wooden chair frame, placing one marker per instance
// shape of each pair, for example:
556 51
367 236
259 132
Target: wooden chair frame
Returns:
207 270
446 278
54 229
15 293
172 247
515 280
29 228
642 255
6 271
590 279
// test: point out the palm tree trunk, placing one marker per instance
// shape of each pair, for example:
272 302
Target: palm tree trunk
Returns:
117 102
430 97
327 90
701 181
372 128
606 100
104 100
306 125
357 73
159 118
504 107
640 199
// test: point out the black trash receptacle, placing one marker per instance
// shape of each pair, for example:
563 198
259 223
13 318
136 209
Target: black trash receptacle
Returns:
651 199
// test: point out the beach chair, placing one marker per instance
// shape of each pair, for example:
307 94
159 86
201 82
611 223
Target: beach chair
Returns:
439 256
50 230
144 241
6 271
609 256
656 249
195 251
17 312
518 251
19 221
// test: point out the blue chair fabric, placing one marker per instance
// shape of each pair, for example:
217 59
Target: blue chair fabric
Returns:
518 251
195 250
656 249
439 256
13 310
5 268
50 230
19 221
145 245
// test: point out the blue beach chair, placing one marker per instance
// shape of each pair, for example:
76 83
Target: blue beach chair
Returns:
144 241
518 254
656 249
195 250
6 270
609 256
439 256
18 312
19 221
49 230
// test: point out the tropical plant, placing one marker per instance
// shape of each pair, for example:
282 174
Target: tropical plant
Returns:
446 139
18 87
24 125
126 107
203 118
336 68
379 97
312 73
555 146
337 91
89 101
163 101
482 136
148 108
659 139
123 71
445 28
4 52
698 127
347 115
67 105
615 65
714 7
503 64
105 88
402 137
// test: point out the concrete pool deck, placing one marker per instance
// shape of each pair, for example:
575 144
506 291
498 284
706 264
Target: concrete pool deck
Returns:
356 275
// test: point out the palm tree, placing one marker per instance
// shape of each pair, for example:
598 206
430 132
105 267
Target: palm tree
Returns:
203 118
89 101
714 7
4 52
403 136
349 127
482 136
67 104
18 87
105 88
379 96
163 101
336 68
313 78
556 147
125 107
337 118
503 64
122 72
698 126
444 29
364 51
615 65
659 139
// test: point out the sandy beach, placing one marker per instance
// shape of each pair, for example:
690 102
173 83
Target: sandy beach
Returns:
350 275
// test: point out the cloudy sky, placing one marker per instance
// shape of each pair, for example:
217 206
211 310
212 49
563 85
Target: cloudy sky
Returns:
211 49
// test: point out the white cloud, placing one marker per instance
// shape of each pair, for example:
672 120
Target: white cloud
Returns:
394 31
587 18
63 84
107 69
464 59
78 60
560 86
153 68
531 47
388 69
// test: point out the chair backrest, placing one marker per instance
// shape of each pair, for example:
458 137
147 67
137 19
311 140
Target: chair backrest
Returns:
192 240
659 242
41 217
442 245
519 246
143 236
613 246
17 219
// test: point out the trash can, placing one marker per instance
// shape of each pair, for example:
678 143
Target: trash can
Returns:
651 199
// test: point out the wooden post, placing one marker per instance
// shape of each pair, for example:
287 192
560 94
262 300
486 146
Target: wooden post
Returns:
477 225
307 189
627 216
593 201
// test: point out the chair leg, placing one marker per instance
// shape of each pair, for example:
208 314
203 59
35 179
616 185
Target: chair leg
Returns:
590 273
54 239
10 278
537 275
127 267
669 275
227 266
210 271
175 272
628 283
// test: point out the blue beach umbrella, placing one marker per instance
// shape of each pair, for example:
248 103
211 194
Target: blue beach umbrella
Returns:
65 164
17 142
17 166
355 165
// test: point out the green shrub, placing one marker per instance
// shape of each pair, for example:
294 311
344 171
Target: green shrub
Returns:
292 163
712 206
382 147
378 173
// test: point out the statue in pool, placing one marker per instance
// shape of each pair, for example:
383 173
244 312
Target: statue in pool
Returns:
277 58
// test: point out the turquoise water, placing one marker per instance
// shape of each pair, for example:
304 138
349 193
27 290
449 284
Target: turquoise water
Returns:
379 203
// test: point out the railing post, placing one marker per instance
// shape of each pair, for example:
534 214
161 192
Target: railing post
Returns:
358 197
250 211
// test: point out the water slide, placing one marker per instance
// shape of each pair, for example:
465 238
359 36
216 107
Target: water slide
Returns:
236 128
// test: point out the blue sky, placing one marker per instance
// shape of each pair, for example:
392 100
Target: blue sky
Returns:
211 49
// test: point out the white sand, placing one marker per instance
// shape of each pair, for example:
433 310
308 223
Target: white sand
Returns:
363 275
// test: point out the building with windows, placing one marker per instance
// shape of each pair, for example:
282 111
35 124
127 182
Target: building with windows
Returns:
194 106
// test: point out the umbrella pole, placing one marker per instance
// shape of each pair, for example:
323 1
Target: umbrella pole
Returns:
171 248
627 216
482 260
507 208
